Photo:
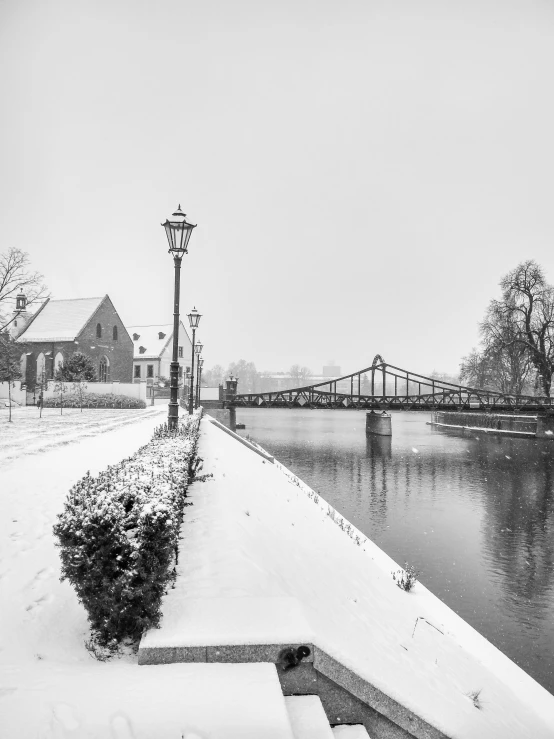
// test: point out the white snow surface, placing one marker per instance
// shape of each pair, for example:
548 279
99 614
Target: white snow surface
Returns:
307 717
50 685
346 731
255 532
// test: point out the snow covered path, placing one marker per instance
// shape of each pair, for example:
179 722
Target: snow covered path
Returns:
50 686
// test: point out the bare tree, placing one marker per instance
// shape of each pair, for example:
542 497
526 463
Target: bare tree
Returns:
521 323
16 275
249 377
475 371
300 375
10 364
517 337
214 376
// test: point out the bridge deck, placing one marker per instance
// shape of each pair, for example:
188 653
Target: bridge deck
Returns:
400 390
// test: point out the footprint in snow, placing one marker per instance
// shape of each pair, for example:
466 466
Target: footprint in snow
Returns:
121 729
20 543
34 607
64 718
41 575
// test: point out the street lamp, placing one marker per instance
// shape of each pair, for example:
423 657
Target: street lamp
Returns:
194 319
178 233
198 351
198 384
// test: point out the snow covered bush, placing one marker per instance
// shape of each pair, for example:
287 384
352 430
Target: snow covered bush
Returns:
118 533
406 578
94 400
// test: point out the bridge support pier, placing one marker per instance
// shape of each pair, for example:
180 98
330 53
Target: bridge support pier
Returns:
379 424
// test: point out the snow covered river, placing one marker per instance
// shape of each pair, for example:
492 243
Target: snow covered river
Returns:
474 513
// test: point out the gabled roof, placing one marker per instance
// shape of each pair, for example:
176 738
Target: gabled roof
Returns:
149 339
61 320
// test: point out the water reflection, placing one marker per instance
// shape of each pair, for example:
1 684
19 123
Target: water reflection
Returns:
474 513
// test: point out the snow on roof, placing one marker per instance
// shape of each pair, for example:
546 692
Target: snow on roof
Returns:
151 339
61 320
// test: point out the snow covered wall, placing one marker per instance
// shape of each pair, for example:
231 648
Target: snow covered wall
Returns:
17 394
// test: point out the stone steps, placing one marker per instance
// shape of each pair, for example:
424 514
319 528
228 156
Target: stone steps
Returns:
308 720
350 731
307 717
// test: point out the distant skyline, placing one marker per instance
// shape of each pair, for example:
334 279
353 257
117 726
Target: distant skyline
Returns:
362 173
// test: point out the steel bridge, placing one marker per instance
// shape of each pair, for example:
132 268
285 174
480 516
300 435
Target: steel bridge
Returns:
383 386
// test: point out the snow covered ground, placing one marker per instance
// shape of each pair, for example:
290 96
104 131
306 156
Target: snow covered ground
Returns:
29 434
257 534
252 533
50 686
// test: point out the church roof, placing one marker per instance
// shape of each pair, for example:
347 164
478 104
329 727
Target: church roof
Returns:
61 320
151 339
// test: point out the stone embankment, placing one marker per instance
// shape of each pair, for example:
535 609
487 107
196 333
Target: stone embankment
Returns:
269 572
536 427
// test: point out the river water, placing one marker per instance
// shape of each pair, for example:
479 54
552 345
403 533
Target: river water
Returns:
473 512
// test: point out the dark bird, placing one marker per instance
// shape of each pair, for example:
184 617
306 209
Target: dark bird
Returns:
291 656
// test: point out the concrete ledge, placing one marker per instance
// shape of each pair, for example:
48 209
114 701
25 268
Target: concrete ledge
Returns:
244 442
373 697
300 680
483 430
342 709
251 652
229 623
170 655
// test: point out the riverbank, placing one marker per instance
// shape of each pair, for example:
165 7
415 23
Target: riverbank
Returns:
534 427
258 542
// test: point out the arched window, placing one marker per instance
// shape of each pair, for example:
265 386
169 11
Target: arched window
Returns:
98 331
58 361
41 368
115 333
104 370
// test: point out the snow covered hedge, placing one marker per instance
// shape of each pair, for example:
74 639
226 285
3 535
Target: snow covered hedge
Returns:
118 533
93 400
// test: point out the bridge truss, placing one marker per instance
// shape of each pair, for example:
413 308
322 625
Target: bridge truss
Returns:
391 388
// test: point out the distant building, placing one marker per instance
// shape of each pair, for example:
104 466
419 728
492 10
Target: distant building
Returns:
153 351
273 381
60 328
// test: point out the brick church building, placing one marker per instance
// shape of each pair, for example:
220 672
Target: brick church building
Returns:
61 327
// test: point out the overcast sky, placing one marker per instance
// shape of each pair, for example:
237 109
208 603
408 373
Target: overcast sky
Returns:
361 173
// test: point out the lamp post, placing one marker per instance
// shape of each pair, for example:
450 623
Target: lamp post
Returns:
178 233
194 319
198 380
197 350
